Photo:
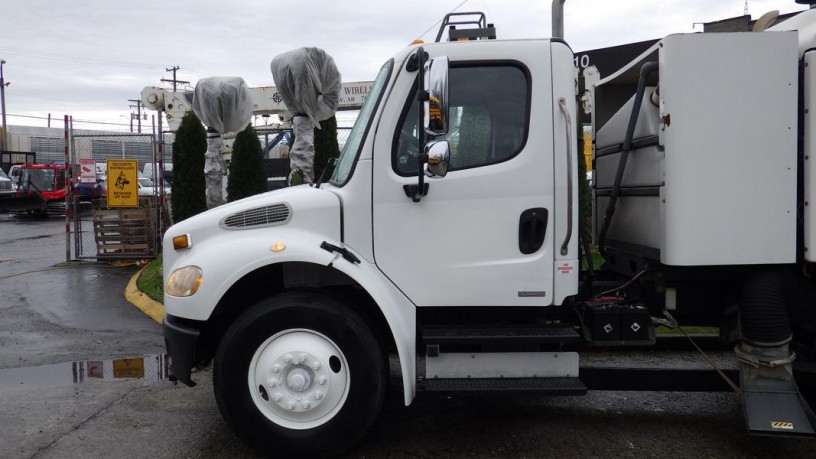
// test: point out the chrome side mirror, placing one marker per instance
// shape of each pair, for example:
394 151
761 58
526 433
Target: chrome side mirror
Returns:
438 152
436 107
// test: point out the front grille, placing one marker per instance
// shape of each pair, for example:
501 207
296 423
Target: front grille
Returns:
276 214
4 185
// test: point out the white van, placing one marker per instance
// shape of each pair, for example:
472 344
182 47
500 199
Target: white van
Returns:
14 174
149 171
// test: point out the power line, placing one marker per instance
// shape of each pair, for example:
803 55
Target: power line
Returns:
75 121
437 22
76 59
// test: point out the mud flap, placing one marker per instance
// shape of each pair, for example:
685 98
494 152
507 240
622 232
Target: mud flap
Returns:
772 403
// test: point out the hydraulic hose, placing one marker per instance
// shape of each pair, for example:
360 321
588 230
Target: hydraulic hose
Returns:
645 71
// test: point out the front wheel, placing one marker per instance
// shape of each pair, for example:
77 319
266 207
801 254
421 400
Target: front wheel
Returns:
300 373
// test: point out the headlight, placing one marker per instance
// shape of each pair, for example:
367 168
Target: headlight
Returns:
184 281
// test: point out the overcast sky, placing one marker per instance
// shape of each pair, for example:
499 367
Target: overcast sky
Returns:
86 58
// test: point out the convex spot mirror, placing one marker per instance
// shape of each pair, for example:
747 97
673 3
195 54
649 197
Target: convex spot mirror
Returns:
436 107
295 178
438 152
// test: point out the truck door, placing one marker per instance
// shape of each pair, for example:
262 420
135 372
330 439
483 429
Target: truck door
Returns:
483 234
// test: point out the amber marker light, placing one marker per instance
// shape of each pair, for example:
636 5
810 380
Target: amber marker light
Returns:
278 247
182 242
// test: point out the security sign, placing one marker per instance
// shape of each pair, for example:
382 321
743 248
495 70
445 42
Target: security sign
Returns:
123 183
87 172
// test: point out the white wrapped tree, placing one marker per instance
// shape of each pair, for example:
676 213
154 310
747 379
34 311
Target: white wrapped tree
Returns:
224 105
309 84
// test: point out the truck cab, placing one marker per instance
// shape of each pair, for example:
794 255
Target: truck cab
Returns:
40 189
448 239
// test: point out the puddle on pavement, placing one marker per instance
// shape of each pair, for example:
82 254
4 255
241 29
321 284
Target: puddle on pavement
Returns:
149 368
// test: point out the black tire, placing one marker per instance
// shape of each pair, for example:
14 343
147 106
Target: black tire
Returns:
310 316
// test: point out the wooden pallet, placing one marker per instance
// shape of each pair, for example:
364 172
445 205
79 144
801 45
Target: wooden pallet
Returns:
125 232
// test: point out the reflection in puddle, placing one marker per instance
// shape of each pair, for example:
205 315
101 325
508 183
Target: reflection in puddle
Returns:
150 368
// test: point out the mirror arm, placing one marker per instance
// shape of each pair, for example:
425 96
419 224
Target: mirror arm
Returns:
422 96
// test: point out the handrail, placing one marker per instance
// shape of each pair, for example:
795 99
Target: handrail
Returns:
562 102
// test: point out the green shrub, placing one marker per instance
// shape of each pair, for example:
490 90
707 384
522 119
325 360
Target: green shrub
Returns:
150 280
246 170
188 187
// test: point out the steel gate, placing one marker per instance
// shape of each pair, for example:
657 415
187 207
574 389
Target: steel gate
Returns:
98 232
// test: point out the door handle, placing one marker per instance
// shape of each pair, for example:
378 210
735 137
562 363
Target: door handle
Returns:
532 229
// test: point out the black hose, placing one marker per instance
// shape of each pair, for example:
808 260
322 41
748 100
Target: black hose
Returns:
765 308
645 71
589 273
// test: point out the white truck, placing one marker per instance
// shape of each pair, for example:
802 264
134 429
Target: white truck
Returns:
447 239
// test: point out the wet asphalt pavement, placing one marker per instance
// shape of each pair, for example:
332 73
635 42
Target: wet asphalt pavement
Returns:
82 375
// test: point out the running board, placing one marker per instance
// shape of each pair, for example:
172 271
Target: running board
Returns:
540 386
500 365
537 334
773 405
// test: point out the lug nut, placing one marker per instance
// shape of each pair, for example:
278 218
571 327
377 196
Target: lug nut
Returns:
318 395
278 397
302 357
291 405
276 369
321 380
316 366
306 405
287 358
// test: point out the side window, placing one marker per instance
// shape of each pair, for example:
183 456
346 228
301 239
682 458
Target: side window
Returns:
489 108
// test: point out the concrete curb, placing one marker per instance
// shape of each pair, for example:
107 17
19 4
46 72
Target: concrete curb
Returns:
144 303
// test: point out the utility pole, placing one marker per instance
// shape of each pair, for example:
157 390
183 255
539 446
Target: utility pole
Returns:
138 107
3 106
174 80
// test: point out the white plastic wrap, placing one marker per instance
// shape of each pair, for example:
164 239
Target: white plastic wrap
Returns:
223 103
214 171
308 81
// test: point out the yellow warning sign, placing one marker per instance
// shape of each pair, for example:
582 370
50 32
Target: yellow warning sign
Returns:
123 183
782 425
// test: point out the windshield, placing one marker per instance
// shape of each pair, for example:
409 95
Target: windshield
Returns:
40 179
345 164
3 175
145 182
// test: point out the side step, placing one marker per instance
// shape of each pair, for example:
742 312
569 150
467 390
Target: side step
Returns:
500 335
545 373
542 386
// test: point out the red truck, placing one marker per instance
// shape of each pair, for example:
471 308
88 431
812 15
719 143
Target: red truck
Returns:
41 189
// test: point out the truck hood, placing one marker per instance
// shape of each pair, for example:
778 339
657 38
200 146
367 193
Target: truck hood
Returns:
309 209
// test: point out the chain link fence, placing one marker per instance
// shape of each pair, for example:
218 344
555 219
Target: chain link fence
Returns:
276 161
99 232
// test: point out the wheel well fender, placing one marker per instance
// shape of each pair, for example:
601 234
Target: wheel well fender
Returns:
361 286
